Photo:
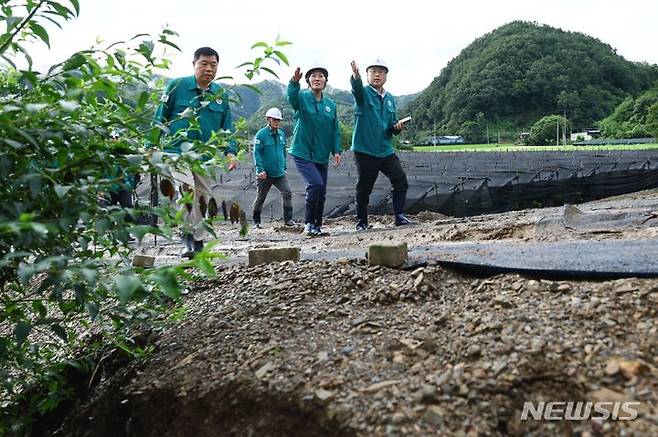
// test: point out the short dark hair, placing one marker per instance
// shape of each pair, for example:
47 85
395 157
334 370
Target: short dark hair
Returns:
205 51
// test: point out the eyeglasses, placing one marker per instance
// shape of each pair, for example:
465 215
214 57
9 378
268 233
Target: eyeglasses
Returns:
376 70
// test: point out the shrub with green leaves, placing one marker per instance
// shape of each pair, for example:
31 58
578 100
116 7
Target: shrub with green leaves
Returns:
65 270
547 131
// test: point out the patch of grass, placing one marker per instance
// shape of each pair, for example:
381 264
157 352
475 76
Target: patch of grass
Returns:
518 148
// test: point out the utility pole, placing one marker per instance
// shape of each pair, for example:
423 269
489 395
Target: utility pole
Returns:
487 133
564 132
434 135
557 133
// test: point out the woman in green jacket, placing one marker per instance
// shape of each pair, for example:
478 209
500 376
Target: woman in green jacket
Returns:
316 137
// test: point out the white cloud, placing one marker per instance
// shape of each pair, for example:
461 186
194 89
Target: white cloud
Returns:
417 38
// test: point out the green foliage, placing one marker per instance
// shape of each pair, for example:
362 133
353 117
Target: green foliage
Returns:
270 53
346 136
25 22
548 131
65 266
399 145
633 118
474 131
522 71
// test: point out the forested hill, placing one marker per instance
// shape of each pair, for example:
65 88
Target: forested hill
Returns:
522 71
253 106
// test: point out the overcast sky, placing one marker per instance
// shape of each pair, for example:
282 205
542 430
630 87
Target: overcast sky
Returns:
416 38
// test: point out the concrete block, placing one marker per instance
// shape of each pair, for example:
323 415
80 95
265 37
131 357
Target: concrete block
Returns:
271 255
386 254
143 261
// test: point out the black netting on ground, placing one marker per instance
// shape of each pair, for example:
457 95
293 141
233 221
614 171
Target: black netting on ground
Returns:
461 183
621 141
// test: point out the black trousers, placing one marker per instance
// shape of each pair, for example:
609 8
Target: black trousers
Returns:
121 197
263 187
368 168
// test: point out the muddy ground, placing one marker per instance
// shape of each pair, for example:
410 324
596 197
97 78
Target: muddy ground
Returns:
343 348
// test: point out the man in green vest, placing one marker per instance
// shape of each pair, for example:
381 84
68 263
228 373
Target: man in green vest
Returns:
376 123
192 110
271 166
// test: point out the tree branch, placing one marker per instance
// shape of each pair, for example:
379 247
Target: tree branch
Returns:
24 23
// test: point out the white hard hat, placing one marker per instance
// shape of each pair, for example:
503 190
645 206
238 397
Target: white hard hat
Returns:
274 113
317 67
377 62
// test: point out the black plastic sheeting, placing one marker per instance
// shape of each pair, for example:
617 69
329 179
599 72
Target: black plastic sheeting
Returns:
620 141
586 259
569 260
466 183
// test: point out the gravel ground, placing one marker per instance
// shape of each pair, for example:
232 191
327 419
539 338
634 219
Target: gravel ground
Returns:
344 348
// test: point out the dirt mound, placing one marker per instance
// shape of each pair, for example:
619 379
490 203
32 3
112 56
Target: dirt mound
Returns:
343 348
316 348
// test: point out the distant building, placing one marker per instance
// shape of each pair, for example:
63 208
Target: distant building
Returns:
444 139
587 135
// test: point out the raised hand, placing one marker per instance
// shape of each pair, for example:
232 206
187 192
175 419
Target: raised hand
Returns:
297 75
355 70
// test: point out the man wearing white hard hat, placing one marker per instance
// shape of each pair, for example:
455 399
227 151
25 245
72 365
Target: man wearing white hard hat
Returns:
376 123
270 162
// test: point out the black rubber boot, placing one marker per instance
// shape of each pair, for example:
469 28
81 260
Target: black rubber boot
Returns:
398 202
398 209
401 220
361 217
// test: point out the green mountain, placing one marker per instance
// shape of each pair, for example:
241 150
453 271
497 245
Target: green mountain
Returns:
252 105
522 71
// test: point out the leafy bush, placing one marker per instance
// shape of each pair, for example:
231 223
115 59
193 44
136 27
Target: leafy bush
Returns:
65 260
545 131
345 136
